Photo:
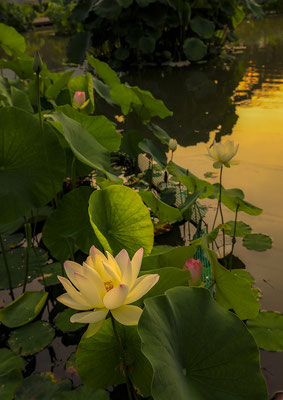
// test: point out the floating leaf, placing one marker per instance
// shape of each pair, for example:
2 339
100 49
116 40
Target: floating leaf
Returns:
41 387
31 338
16 263
50 272
257 242
161 210
23 310
120 220
69 224
9 384
9 361
184 335
27 179
11 241
267 330
194 49
242 229
62 321
82 393
99 359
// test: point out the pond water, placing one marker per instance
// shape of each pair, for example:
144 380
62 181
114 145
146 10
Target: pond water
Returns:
240 100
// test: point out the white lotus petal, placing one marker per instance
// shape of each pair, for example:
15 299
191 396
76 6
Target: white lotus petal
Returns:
142 285
95 261
136 263
116 297
71 267
70 302
111 261
77 296
127 278
127 315
112 273
89 317
88 290
122 260
95 278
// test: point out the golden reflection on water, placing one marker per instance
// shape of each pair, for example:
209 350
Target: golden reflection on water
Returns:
259 130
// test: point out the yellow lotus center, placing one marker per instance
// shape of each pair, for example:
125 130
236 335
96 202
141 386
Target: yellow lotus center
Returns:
108 285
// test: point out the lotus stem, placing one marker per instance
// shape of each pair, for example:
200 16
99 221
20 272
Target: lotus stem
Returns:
28 239
233 238
123 359
7 267
220 209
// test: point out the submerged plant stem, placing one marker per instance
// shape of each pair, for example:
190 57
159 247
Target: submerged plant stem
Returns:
7 267
123 359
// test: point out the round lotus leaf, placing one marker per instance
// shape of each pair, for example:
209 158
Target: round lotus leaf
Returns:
198 350
69 224
120 220
9 383
31 338
9 361
257 242
23 310
41 387
267 330
16 265
32 165
11 241
194 49
203 27
242 229
62 321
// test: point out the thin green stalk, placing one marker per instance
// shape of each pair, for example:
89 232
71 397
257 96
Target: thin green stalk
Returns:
7 267
28 239
73 173
220 209
233 238
123 359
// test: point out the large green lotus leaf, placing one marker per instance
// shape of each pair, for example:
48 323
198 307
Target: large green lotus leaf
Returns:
149 147
85 147
99 127
16 263
83 83
159 133
82 393
11 41
9 361
242 229
267 330
194 49
63 322
108 9
22 66
27 180
257 242
234 199
161 210
11 241
232 291
161 257
69 224
168 278
198 350
195 185
106 73
120 220
99 360
23 310
9 384
58 85
20 99
124 96
203 27
31 338
41 387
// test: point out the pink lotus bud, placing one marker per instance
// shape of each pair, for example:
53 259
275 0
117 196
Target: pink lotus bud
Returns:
195 268
79 98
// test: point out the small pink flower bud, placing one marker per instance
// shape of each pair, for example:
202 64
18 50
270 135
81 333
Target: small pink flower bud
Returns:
79 98
195 268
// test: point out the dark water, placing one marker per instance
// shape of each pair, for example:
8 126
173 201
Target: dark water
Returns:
240 99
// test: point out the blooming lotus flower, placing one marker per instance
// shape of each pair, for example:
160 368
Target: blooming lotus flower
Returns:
222 153
195 268
105 284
